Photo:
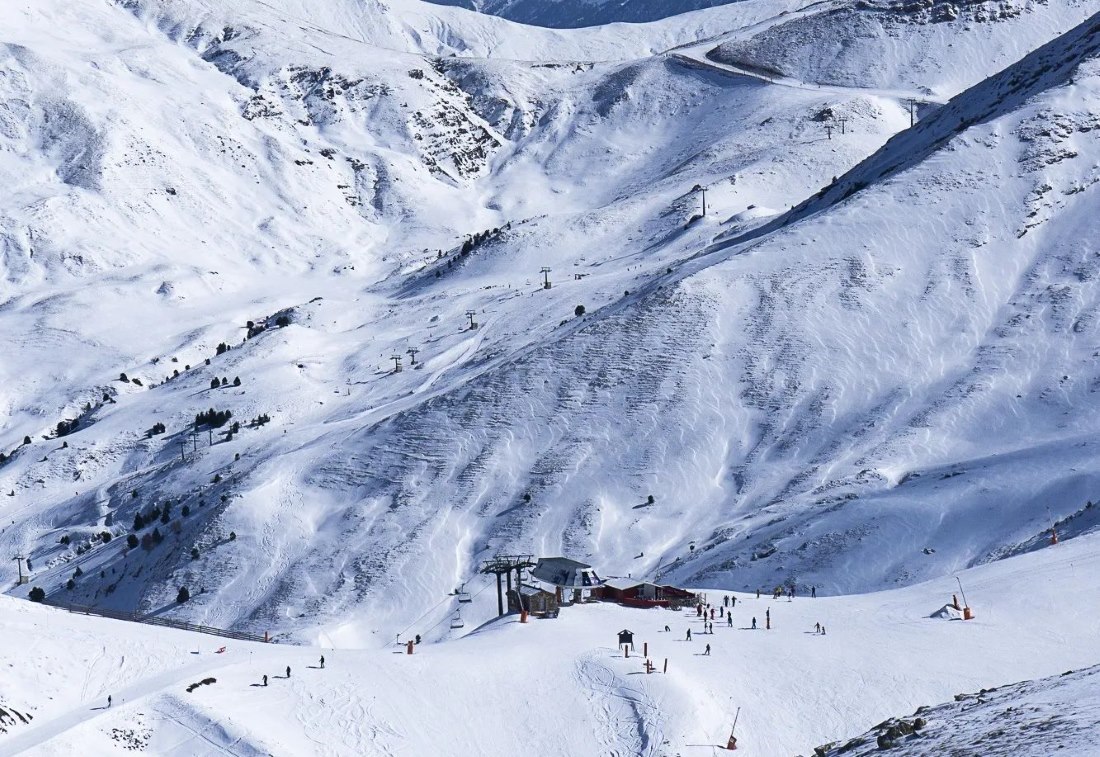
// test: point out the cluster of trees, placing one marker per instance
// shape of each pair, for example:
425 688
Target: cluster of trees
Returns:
474 241
158 428
260 420
213 418
214 383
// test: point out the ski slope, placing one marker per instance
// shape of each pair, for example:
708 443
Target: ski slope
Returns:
870 364
560 687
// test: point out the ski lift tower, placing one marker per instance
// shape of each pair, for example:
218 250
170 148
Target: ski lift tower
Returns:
503 565
470 314
545 277
22 579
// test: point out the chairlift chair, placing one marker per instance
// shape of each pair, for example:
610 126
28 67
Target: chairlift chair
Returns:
456 621
463 595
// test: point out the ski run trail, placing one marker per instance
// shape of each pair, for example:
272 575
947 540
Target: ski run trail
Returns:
561 687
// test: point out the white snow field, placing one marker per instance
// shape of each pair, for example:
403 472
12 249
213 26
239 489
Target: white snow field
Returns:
870 364
561 687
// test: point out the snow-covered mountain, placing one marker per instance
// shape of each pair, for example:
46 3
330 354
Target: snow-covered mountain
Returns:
858 386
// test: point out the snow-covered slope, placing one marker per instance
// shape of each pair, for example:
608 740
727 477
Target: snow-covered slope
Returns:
885 387
1059 714
560 687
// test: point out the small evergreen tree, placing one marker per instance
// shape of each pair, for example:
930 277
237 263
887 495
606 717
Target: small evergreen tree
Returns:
232 536
194 553
70 584
132 541
26 440
578 311
186 511
123 378
139 522
37 595
183 595
237 381
214 384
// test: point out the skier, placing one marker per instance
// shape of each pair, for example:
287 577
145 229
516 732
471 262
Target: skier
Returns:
729 618
768 615
322 662
418 638
754 623
712 613
288 671
707 650
667 629
108 701
733 603
720 611
817 628
758 593
688 635
726 600
265 680
813 592
823 630
699 610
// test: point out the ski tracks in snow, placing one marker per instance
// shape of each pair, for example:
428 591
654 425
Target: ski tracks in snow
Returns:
627 713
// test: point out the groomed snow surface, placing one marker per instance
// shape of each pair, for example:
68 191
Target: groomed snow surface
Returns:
561 687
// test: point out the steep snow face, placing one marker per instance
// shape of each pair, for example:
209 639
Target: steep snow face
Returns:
578 13
296 205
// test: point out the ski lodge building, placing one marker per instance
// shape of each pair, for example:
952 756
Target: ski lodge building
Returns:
567 575
632 592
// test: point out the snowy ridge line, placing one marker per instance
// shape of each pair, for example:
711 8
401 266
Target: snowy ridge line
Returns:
133 617
1049 66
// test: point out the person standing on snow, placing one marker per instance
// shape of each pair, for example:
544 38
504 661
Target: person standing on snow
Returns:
108 701
288 671
726 601
733 602
688 635
754 623
813 592
265 680
707 650
322 662
729 618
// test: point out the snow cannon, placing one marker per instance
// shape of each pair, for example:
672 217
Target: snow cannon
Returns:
408 647
1053 537
522 616
731 745
967 614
